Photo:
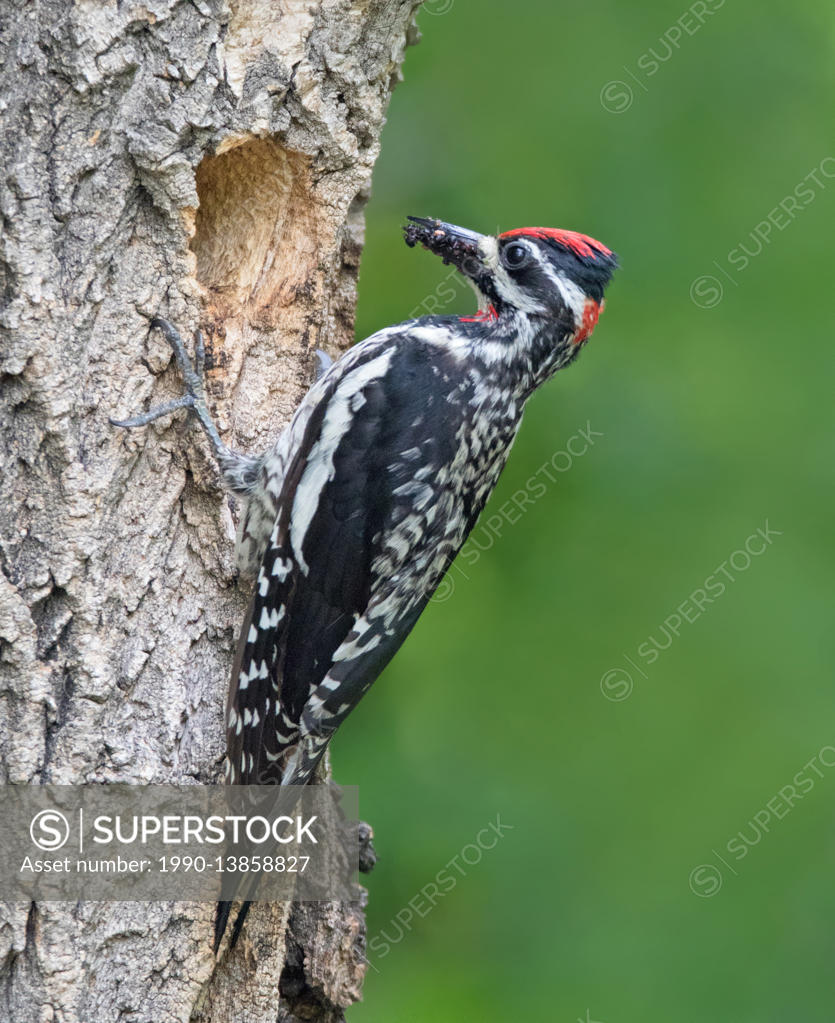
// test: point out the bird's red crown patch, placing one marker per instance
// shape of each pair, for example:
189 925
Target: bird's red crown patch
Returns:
580 244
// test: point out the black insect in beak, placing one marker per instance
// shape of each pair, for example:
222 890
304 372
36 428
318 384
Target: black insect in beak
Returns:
453 244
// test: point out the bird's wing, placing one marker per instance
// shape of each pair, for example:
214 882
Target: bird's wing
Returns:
348 485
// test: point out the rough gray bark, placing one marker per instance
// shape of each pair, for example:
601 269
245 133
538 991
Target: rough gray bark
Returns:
209 163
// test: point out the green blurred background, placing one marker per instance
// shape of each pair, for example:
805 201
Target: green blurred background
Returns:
716 417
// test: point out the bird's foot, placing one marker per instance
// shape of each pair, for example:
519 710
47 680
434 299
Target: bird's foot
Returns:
239 471
195 393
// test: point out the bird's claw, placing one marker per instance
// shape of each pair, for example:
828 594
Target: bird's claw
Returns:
195 394
186 401
192 379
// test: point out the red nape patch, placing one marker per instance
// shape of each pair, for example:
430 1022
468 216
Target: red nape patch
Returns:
482 316
579 244
591 312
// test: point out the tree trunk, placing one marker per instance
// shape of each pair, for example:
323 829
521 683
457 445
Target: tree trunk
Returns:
211 165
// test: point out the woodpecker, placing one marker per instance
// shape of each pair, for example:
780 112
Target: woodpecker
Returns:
356 512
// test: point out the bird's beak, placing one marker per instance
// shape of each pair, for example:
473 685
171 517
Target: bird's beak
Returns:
453 244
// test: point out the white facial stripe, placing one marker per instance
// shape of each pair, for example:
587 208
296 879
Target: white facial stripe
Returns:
514 295
573 296
505 286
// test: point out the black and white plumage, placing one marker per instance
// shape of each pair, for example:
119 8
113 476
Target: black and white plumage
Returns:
357 511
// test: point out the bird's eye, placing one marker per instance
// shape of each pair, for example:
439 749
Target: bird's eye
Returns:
515 255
